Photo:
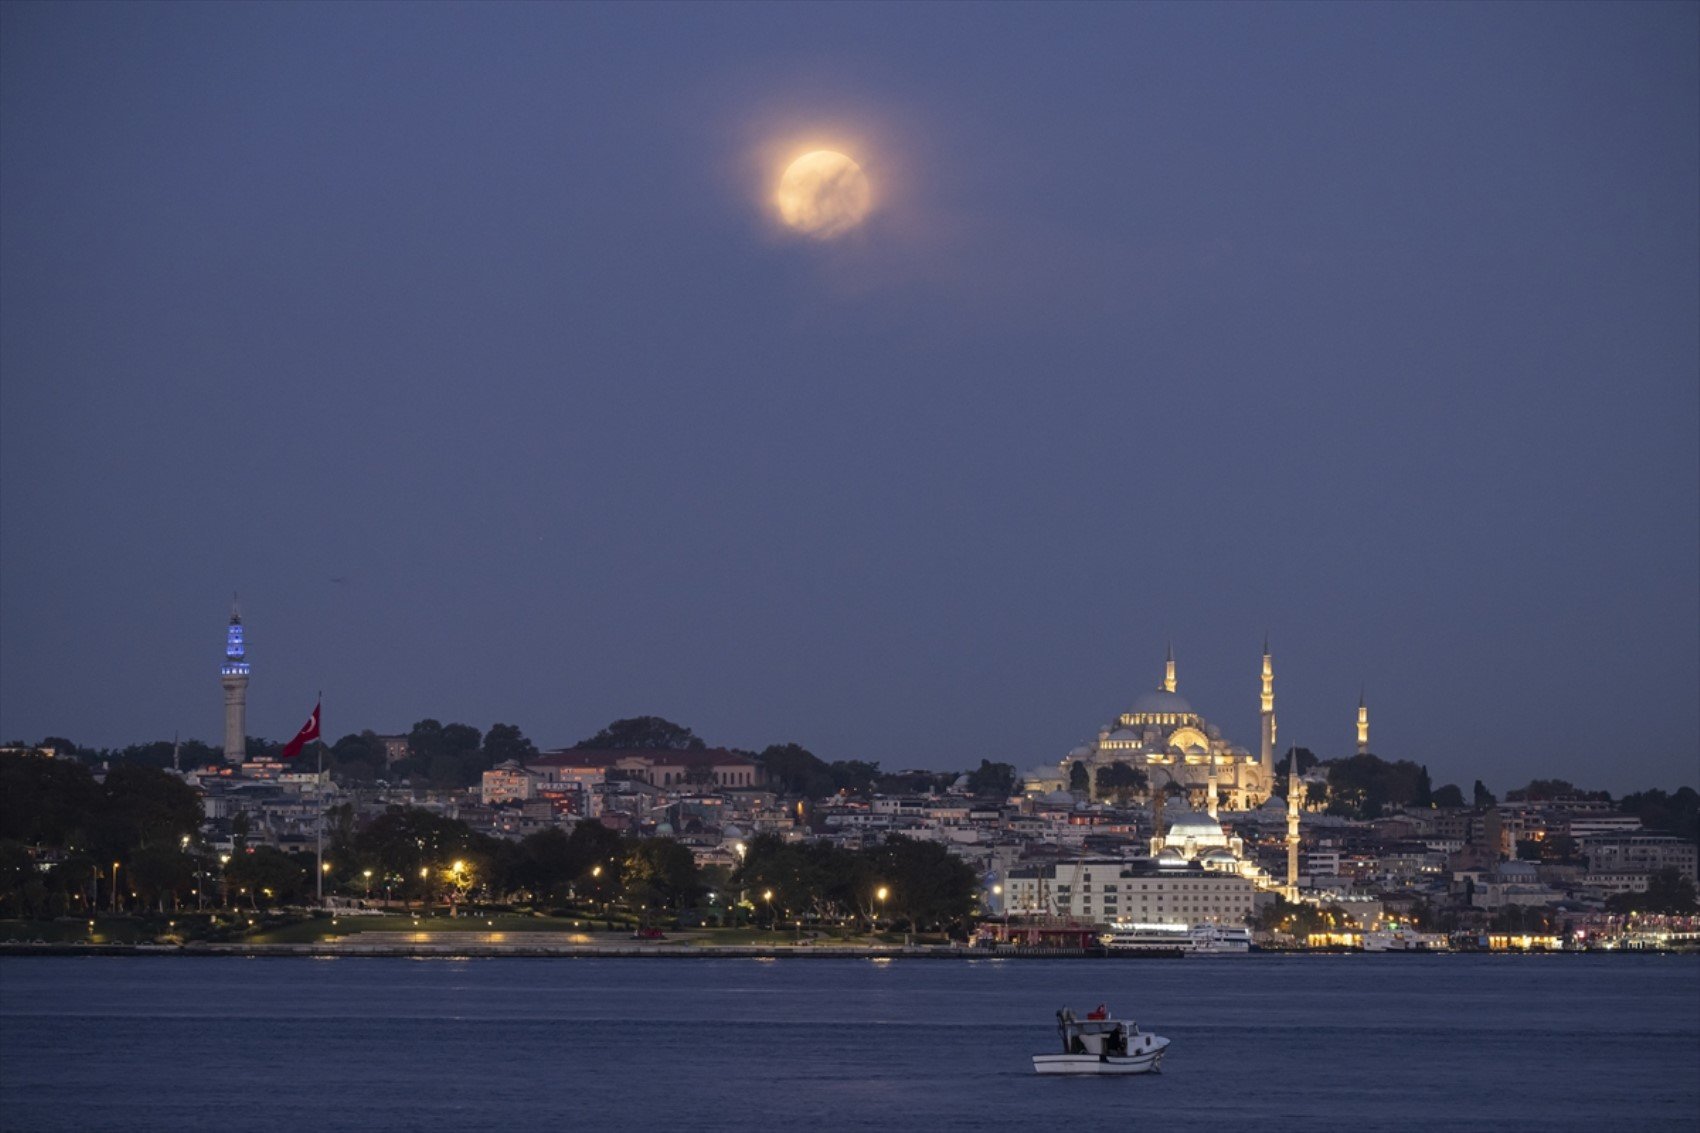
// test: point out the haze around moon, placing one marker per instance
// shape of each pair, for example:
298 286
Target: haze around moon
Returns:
823 194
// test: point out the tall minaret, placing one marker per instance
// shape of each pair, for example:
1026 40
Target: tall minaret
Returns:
1266 756
1294 790
1363 725
1210 805
1169 671
234 677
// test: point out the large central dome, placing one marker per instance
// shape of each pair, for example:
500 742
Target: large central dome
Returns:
1161 701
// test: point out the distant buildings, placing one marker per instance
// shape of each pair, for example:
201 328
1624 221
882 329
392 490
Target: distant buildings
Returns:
1048 851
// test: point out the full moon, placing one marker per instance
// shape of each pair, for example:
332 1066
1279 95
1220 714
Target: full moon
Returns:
823 194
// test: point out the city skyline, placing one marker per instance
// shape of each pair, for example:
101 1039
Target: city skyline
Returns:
477 360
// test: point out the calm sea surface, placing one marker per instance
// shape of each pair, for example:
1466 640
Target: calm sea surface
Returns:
1260 1042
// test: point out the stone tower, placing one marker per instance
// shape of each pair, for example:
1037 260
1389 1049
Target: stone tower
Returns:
234 677
1169 671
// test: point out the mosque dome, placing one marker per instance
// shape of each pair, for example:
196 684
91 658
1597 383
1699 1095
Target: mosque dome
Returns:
1123 734
1201 828
1161 701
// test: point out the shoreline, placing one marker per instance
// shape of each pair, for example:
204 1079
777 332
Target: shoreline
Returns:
481 951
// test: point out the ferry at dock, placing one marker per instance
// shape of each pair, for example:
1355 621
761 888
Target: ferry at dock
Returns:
1147 939
1175 939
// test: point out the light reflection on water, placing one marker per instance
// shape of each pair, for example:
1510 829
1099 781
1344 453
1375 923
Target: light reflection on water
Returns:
1260 1042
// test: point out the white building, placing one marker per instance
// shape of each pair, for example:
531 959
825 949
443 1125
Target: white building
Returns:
1136 889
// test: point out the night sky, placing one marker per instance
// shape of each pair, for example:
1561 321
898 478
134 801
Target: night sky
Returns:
464 344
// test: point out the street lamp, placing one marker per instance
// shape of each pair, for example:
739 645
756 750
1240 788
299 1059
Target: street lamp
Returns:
767 895
879 895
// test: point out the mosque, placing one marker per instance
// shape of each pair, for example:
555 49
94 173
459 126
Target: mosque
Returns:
1163 736
1177 748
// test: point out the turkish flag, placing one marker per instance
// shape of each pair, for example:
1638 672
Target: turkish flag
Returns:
309 732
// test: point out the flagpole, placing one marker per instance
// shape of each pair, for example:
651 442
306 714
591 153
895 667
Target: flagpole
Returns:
319 797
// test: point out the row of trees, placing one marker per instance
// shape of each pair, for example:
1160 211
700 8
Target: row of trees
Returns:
141 826
918 883
128 834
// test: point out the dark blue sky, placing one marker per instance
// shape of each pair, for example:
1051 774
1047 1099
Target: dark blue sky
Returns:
1376 327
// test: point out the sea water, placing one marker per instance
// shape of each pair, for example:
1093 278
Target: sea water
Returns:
1351 1042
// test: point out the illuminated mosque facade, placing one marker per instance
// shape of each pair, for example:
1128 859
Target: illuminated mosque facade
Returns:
1163 736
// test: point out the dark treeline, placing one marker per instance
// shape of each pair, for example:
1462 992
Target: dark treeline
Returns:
449 756
142 827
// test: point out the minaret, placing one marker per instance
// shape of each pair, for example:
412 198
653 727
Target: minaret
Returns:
1210 804
1294 790
1169 671
1363 725
1266 756
234 677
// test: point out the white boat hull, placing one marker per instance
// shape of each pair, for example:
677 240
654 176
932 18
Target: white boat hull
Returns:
1097 1064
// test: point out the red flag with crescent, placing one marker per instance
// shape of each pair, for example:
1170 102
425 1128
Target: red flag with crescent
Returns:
309 732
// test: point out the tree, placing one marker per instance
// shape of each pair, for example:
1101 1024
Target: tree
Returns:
1545 790
794 770
47 801
1306 757
258 747
445 755
160 873
1366 785
1669 892
1121 782
1448 796
643 733
855 776
926 884
1079 779
357 758
403 841
59 746
504 742
1520 918
1677 813
265 875
1483 796
144 806
661 872
992 780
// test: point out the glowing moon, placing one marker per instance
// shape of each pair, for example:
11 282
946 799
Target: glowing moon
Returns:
823 194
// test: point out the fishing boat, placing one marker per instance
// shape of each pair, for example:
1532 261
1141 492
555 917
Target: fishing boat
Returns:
1099 1044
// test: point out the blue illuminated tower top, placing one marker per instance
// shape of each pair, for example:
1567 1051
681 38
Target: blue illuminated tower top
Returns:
234 650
